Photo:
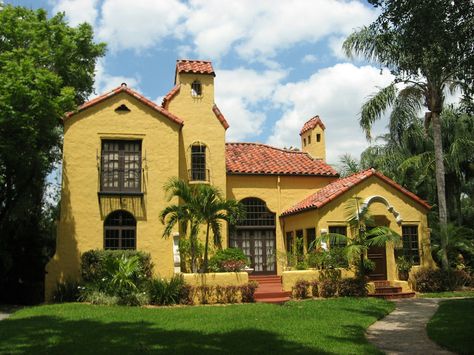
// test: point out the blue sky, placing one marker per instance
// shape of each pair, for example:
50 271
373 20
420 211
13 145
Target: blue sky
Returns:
278 63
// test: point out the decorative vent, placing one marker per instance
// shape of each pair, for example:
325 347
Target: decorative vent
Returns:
122 108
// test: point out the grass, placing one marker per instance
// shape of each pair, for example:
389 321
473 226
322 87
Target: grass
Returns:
447 294
334 326
451 326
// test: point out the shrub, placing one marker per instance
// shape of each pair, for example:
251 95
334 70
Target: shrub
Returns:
301 265
301 289
248 291
220 294
67 291
187 294
232 294
328 288
205 293
314 288
134 299
353 287
228 260
430 280
98 297
166 292
93 263
330 274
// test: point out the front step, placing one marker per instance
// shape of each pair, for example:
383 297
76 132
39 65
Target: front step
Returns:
270 289
384 290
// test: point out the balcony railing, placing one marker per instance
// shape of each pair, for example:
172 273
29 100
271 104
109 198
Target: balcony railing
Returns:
198 175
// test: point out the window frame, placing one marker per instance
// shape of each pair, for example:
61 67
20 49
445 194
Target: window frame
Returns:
313 237
121 229
409 251
289 241
337 227
199 171
196 88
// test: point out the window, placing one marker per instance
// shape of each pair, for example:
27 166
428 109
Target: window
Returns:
304 142
289 242
257 214
120 231
318 137
410 243
121 166
337 230
309 139
198 163
196 88
299 242
310 238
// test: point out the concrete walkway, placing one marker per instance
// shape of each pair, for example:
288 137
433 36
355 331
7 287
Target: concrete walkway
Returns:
404 330
6 311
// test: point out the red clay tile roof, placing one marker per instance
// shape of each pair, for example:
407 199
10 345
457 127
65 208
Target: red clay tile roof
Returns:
194 66
125 89
340 186
169 96
261 159
220 116
311 123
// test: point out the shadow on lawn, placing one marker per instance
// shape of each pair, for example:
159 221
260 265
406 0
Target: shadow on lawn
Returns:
53 335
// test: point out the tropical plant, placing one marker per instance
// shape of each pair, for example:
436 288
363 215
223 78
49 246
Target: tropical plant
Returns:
230 259
428 47
404 266
199 204
123 275
166 292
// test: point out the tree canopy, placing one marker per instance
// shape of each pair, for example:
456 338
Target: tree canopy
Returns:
46 69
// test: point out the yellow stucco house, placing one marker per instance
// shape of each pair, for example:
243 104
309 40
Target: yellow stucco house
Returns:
120 149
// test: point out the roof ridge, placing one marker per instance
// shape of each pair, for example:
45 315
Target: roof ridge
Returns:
193 60
276 148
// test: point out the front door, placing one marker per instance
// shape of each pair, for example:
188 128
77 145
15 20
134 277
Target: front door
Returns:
379 256
259 246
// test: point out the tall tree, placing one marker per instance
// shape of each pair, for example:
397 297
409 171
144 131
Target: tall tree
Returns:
428 45
46 68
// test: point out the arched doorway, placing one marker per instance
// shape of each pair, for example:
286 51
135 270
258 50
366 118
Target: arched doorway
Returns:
378 254
120 231
255 235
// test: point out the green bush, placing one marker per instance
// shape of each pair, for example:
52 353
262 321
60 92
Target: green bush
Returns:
314 288
98 297
68 291
248 292
353 287
94 263
301 289
328 288
431 280
166 292
228 260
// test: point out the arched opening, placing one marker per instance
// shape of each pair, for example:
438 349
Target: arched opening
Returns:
120 231
255 235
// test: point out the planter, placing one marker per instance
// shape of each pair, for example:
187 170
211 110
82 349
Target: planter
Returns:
248 270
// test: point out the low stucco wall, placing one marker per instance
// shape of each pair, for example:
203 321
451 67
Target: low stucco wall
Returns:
289 278
217 279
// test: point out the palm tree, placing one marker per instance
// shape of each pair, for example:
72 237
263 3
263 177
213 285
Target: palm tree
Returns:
365 234
425 89
199 204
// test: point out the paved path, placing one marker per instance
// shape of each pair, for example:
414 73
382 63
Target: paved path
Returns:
404 330
6 311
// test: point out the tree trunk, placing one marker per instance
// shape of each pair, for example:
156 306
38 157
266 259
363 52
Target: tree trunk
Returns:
206 248
440 186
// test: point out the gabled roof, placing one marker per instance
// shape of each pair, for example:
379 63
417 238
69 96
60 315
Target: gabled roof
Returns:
340 186
311 124
220 116
261 159
169 96
125 89
194 66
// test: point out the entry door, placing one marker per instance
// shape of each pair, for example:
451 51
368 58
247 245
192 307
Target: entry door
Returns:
259 246
379 256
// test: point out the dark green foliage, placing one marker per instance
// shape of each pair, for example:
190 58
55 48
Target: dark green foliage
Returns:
205 293
167 292
328 288
429 280
68 291
314 288
46 68
301 289
353 287
327 259
451 326
228 260
94 263
248 291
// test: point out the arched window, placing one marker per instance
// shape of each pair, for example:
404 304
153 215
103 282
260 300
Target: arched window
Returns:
198 170
257 213
120 231
196 88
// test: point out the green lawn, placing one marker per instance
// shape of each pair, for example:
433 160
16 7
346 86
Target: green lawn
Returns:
451 326
447 294
334 326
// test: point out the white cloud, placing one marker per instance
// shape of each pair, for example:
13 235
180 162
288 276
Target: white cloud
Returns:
335 44
336 95
105 82
238 94
309 58
139 24
77 11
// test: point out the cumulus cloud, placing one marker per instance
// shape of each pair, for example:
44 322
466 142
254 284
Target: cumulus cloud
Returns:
309 58
336 95
77 11
240 94
105 82
139 24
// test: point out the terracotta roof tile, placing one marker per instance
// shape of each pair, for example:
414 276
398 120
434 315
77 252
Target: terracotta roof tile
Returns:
194 66
220 116
169 96
261 159
311 123
125 89
340 186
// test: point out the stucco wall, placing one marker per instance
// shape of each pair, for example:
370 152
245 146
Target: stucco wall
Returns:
217 279
289 278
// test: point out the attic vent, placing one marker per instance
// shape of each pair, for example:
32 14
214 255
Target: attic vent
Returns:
122 108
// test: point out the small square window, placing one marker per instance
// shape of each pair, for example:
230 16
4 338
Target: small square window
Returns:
309 139
196 88
318 137
304 142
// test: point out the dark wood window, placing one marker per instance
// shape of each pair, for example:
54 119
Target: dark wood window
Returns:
318 137
257 214
121 166
196 88
309 139
120 229
198 163
310 238
410 243
289 242
299 242
338 230
304 142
